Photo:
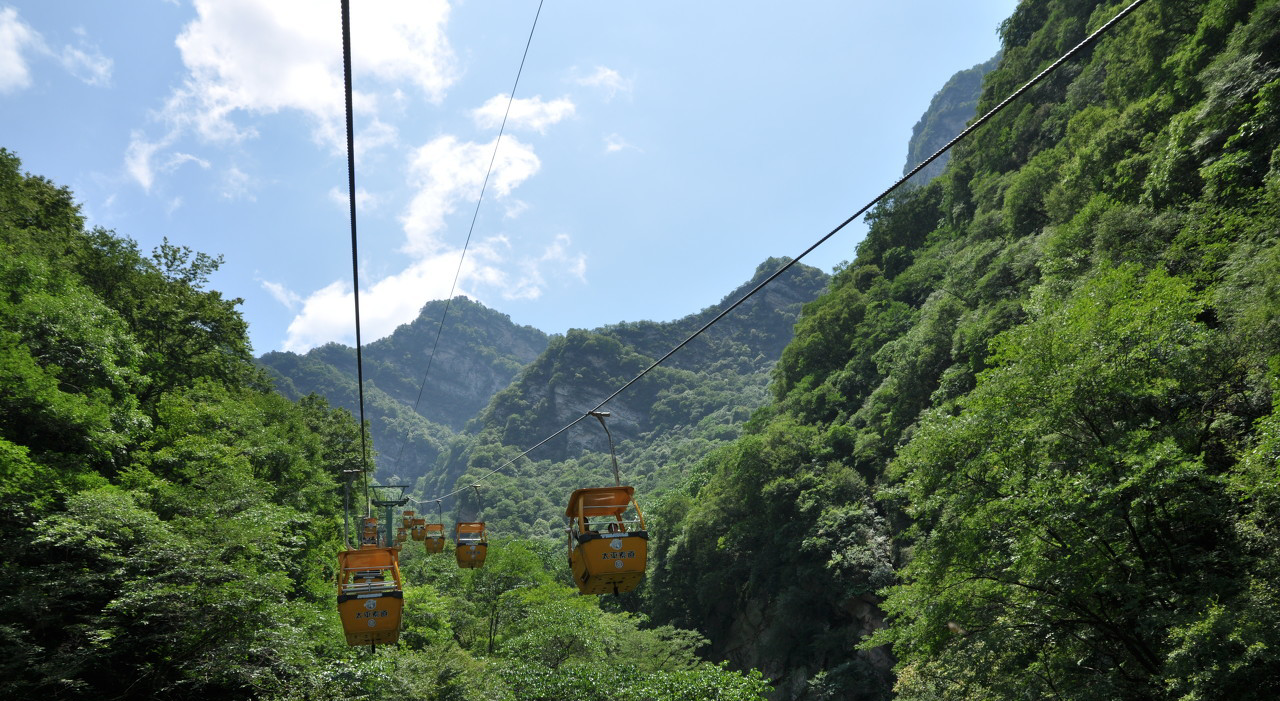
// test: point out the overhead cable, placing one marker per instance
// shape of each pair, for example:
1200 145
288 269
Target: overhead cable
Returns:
355 258
492 159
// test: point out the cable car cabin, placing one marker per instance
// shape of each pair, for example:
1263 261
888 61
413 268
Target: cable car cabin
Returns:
369 595
419 528
406 526
472 543
607 552
369 532
435 537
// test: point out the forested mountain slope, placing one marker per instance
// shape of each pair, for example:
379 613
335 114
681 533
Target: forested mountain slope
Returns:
1034 419
480 351
166 521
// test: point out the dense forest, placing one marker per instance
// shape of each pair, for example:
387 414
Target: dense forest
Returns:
1024 444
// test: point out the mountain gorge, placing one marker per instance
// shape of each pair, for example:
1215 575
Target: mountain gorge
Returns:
1024 444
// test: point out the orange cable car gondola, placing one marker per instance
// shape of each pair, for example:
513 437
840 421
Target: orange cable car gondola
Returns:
612 562
406 526
419 530
435 537
370 597
471 544
369 532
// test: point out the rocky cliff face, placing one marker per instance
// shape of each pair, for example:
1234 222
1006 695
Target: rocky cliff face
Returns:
949 113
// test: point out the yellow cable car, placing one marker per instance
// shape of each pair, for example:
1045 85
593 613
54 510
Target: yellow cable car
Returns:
435 537
613 561
370 598
406 526
369 533
419 528
471 544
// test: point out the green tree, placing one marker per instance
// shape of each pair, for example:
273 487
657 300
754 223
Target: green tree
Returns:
1071 514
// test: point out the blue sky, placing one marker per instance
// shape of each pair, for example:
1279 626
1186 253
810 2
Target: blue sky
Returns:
656 152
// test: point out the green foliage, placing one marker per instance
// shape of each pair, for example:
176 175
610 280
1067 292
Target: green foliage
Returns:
516 629
1067 511
168 526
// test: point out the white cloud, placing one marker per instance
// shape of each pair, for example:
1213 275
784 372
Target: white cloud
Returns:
137 159
608 80
141 154
86 62
614 143
328 314
529 113
377 135
445 172
556 260
573 264
322 319
364 200
282 294
237 185
514 209
15 35
246 59
178 159
261 58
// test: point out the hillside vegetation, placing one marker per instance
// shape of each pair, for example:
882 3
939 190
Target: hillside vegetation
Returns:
1026 444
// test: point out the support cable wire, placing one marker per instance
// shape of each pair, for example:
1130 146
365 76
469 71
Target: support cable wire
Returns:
355 258
492 159
1084 43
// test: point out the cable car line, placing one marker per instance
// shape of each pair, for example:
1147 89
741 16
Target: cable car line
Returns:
492 159
355 259
1084 43
370 594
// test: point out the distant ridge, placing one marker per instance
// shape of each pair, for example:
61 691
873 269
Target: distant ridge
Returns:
948 114
481 351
